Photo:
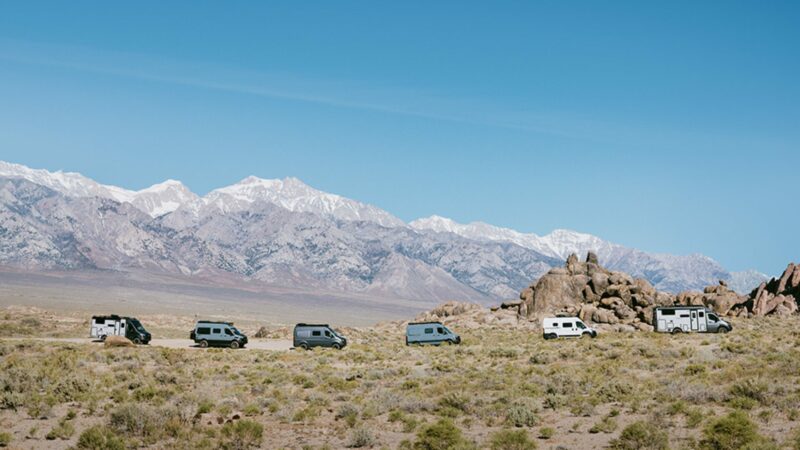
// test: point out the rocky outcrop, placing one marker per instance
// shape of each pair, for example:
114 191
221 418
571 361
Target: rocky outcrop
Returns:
472 315
720 298
590 291
776 297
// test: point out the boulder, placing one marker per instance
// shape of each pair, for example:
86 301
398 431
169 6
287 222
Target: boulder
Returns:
118 341
620 278
589 295
591 257
619 290
599 283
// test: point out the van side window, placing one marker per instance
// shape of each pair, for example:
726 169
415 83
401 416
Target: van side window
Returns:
204 330
667 312
100 321
428 330
122 325
217 330
440 330
567 325
228 332
712 317
702 314
316 333
327 333
685 315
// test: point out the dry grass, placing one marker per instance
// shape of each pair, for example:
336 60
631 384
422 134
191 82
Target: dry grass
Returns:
499 388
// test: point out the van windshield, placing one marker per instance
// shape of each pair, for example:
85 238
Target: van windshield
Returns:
236 331
335 333
137 325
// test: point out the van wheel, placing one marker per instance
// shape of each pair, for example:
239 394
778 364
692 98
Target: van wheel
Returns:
234 344
722 330
586 334
550 336
336 346
137 341
103 338
204 344
677 330
304 346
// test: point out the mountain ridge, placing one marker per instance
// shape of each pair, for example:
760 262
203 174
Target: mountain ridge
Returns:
284 231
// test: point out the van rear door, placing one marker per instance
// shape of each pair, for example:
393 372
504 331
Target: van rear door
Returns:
702 325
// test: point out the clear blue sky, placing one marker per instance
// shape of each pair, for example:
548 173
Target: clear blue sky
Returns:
671 128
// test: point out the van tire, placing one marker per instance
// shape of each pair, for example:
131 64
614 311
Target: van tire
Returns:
336 346
586 334
234 344
204 344
304 346
103 338
722 330
677 330
137 341
550 336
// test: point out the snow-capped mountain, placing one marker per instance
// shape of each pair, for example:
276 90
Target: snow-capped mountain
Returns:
283 232
296 196
156 200
667 272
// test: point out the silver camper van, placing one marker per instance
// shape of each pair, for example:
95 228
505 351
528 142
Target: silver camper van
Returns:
686 319
307 335
430 333
224 334
114 325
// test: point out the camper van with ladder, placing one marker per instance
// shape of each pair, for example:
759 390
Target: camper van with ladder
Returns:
114 325
688 319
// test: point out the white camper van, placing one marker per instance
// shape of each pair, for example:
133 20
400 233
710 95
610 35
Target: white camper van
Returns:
685 319
114 325
555 327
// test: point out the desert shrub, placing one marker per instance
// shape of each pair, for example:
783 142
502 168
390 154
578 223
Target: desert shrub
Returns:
349 413
546 432
750 389
5 439
606 425
251 410
503 353
442 435
641 436
511 440
241 435
733 431
522 413
99 438
454 402
144 422
361 437
64 430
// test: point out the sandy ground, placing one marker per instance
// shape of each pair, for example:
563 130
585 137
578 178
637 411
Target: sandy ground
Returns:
138 294
253 344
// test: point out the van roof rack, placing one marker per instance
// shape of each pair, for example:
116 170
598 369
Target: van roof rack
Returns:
312 325
425 323
107 316
215 321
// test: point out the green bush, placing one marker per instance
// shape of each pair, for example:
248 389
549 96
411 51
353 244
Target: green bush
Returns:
242 434
64 430
99 438
361 437
511 440
442 435
522 414
641 436
5 439
546 433
733 431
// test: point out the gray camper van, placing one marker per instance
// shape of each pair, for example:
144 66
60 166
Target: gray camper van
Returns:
685 319
308 335
430 333
224 334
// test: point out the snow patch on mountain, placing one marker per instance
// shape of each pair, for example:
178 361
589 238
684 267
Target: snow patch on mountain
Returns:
296 196
156 200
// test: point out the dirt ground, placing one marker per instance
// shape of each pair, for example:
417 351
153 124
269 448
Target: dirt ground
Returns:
502 388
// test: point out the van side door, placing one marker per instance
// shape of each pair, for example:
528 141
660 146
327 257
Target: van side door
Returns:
568 329
702 324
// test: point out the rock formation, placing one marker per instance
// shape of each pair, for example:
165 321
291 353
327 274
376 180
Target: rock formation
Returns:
595 294
778 296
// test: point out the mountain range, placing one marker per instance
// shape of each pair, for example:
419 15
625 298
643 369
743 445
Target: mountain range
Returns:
286 233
